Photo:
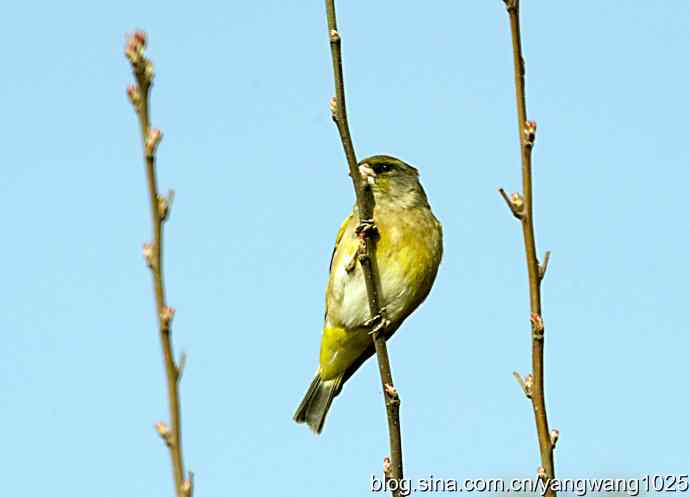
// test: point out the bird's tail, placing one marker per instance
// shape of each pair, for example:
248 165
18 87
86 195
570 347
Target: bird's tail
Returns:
314 407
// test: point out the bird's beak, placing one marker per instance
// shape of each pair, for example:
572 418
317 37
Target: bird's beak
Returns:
367 173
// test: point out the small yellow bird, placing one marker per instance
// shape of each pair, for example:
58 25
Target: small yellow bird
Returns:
408 253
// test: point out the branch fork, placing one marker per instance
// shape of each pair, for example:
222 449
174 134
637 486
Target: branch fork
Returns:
525 384
516 203
544 265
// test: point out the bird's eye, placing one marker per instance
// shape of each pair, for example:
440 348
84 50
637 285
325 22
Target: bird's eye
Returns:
382 168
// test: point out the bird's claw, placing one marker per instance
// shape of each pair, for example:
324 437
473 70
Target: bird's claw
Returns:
366 228
377 323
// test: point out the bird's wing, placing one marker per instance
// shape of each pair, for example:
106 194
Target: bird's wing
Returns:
338 238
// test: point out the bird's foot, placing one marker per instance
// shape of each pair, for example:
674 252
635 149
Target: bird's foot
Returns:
366 229
377 323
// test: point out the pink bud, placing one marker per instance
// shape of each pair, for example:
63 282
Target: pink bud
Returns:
148 254
140 38
537 321
162 429
529 382
167 315
153 138
387 465
554 436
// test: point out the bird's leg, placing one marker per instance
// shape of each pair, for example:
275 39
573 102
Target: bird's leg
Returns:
377 323
365 230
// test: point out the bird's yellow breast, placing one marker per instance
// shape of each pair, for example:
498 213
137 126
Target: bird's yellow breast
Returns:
408 252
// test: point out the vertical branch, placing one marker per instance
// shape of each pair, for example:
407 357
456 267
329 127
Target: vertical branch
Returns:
153 253
367 233
522 208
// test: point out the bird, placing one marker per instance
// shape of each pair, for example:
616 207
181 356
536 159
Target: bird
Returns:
409 247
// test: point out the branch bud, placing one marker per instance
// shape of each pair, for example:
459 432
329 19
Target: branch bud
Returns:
515 203
387 466
167 315
149 254
164 205
188 485
554 437
518 202
391 391
164 432
530 131
153 138
134 47
140 38
335 36
134 96
148 71
537 326
541 472
529 383
333 105
525 384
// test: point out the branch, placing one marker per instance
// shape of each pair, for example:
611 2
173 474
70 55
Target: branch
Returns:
367 251
534 389
138 94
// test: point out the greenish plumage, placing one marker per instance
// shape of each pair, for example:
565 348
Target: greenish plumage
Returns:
408 253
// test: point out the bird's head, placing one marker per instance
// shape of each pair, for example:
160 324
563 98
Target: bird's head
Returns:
393 182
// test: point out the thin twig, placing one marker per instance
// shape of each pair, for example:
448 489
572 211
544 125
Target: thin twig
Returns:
367 253
153 253
527 131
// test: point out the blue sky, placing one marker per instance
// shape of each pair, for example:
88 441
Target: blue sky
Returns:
241 94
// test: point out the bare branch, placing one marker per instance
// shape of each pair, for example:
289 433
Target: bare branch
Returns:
138 94
527 133
367 254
